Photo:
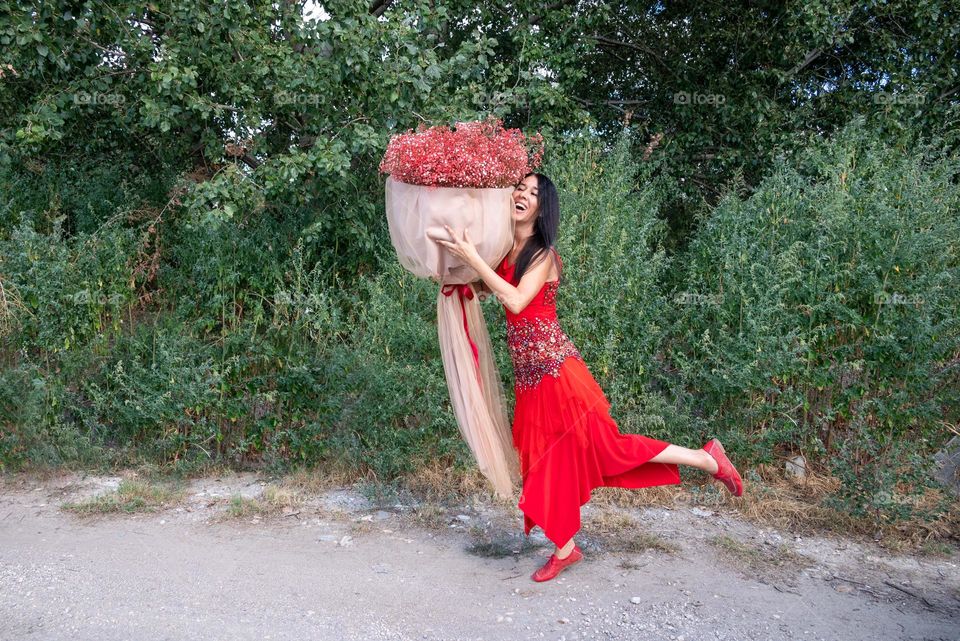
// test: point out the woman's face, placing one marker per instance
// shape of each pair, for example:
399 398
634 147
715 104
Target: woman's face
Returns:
525 201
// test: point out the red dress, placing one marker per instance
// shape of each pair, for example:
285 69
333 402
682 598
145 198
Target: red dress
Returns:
562 429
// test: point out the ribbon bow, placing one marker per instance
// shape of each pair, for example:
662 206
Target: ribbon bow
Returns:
465 291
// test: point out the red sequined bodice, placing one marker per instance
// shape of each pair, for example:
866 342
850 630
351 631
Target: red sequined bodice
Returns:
538 346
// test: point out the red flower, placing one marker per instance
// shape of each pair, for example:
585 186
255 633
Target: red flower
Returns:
475 154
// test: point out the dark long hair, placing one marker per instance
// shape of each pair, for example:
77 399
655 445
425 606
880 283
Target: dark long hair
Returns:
544 229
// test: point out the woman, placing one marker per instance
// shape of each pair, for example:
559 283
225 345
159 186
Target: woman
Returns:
562 429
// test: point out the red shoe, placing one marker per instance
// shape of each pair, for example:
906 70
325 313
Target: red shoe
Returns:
554 566
726 472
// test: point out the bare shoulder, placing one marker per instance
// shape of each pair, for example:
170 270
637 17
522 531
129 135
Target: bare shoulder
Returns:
555 264
548 262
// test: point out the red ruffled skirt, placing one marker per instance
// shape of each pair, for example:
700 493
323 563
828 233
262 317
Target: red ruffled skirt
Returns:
569 445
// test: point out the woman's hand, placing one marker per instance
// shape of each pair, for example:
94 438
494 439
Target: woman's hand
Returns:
462 248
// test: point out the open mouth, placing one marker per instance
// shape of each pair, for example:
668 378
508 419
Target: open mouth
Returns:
520 207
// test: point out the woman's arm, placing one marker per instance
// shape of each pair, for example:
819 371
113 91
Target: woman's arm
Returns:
513 298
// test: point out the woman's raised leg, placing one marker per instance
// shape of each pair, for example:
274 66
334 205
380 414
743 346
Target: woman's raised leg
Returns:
685 456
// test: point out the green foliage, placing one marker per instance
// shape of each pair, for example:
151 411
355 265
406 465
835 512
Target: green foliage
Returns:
225 257
396 410
610 298
195 264
35 425
819 314
86 192
730 84
285 116
73 291
307 388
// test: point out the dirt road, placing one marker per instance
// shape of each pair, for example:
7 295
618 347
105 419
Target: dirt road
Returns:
339 567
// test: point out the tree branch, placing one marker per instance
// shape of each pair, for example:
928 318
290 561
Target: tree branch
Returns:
535 19
379 6
610 42
610 103
810 57
948 93
629 45
816 53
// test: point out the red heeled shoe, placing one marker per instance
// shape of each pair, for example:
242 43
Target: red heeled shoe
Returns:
726 472
554 566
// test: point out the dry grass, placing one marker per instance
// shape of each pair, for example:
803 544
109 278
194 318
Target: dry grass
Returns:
31 475
11 307
131 496
275 500
621 532
241 506
610 521
637 542
792 504
759 560
431 517
285 497
289 493
689 494
438 482
314 481
435 483
795 504
772 500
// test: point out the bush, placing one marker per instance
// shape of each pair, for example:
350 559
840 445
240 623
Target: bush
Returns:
70 290
33 428
386 374
611 301
815 315
819 315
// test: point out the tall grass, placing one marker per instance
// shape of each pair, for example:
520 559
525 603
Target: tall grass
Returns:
815 314
819 315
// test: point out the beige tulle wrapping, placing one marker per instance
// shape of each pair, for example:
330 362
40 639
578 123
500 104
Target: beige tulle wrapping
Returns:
416 215
479 405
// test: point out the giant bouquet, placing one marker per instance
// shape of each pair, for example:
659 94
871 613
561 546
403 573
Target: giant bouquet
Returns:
464 178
